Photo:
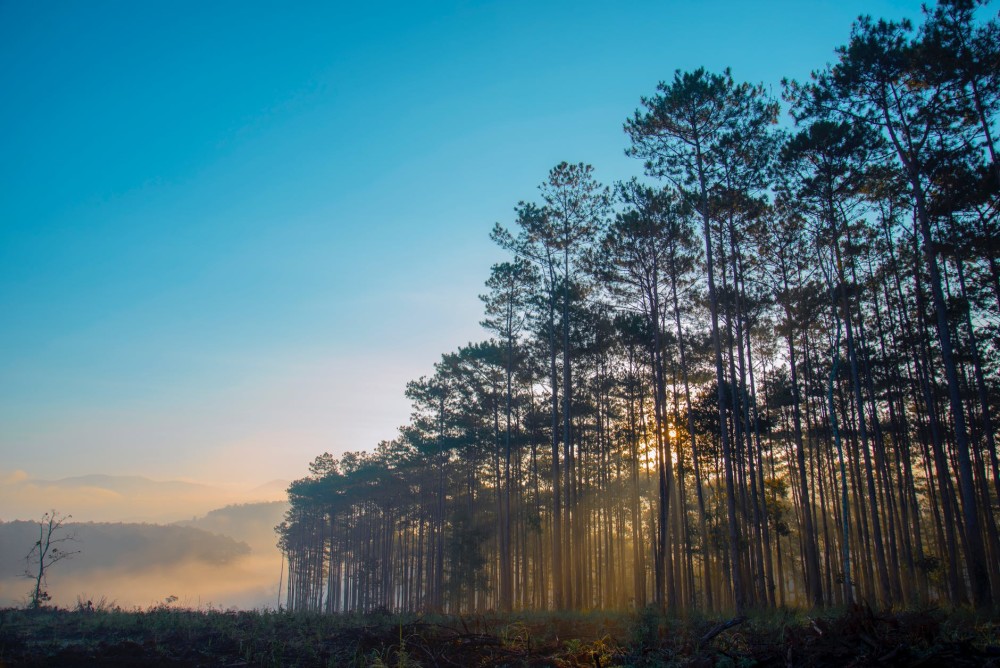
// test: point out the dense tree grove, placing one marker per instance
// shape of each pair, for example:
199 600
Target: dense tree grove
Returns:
766 375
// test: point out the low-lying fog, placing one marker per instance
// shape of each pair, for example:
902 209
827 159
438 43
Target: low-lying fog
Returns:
143 543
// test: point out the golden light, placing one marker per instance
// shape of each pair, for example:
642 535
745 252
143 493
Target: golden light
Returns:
649 455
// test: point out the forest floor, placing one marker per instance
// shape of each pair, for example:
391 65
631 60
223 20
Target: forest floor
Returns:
163 636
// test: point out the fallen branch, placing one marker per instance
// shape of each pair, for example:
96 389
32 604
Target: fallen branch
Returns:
720 627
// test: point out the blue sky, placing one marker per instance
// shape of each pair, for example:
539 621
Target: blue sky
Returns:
231 231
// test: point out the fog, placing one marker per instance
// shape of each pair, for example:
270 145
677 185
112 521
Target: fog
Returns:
195 555
248 582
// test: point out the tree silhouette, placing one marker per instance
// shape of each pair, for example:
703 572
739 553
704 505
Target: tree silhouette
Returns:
47 551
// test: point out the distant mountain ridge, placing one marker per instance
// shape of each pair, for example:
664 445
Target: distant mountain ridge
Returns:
101 497
252 523
131 563
137 482
119 546
124 482
228 556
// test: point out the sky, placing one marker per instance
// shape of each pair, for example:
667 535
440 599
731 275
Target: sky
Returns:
230 232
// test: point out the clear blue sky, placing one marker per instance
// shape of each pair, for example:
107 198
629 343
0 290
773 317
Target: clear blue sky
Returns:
231 231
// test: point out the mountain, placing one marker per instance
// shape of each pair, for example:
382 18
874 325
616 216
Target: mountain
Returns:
122 547
209 545
102 498
138 565
252 523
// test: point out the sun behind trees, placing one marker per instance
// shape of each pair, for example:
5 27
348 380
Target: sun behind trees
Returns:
768 377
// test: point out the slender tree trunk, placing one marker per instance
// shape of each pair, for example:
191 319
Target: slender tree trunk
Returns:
739 597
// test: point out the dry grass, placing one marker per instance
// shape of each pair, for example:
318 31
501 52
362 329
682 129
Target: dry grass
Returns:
163 636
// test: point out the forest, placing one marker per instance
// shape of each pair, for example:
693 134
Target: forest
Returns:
763 374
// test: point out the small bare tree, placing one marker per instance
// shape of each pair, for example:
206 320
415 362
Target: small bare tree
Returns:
45 554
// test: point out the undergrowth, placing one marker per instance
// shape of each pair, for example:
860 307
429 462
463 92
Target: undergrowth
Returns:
104 634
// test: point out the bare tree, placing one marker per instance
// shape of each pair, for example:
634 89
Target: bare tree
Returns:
45 553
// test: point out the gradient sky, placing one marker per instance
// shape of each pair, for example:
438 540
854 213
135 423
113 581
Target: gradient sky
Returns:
230 232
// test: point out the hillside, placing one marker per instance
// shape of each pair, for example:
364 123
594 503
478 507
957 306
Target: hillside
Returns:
252 523
140 564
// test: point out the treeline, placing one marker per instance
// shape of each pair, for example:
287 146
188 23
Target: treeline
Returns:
768 375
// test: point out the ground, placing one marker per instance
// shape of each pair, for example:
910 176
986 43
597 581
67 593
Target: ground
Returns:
164 636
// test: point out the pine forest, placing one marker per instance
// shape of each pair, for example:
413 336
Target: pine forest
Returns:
762 373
